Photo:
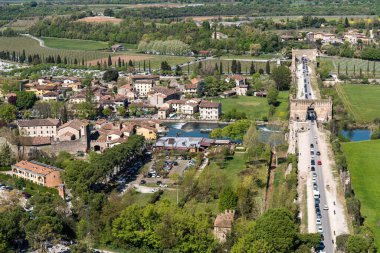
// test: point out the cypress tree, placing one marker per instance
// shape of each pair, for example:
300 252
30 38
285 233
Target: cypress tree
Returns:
216 69
144 66
374 69
109 60
354 70
267 68
119 62
338 68
82 62
368 68
346 70
59 60
238 67
233 67
130 63
252 69
221 67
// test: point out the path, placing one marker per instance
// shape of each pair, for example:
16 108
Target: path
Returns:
40 41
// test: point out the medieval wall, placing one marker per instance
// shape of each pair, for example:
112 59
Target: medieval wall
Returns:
322 107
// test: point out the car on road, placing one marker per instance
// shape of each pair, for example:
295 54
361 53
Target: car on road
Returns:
312 168
158 183
312 162
319 222
320 229
318 153
315 137
325 207
319 163
312 145
314 175
314 180
142 182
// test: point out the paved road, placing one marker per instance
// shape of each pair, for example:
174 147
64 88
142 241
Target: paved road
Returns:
327 234
305 91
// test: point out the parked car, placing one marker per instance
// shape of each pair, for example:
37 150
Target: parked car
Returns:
319 163
325 207
318 153
312 162
142 182
158 183
320 229
319 222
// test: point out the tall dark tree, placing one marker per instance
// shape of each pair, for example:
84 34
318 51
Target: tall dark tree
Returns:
109 60
346 23
238 67
234 67
267 68
252 69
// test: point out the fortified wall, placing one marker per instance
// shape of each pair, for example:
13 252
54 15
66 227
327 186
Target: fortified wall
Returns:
322 108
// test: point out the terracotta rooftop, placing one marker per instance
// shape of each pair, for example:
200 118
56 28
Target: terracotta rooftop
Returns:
76 124
209 104
34 141
38 122
224 220
36 167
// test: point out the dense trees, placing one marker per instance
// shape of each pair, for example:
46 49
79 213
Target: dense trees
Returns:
163 226
282 77
8 112
274 231
169 47
234 131
110 75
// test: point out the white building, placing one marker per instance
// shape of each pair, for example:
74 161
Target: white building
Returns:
209 110
143 87
38 127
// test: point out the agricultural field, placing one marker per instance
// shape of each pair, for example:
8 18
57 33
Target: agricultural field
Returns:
245 63
353 66
363 163
256 107
32 46
362 101
101 19
73 44
20 25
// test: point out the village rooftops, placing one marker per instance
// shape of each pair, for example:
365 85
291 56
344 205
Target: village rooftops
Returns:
143 81
76 124
38 122
136 77
209 104
36 167
165 91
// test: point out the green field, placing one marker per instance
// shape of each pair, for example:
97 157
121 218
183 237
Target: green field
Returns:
363 163
351 63
31 46
362 101
256 107
85 45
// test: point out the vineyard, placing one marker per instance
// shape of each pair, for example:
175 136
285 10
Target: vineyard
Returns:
353 66
31 47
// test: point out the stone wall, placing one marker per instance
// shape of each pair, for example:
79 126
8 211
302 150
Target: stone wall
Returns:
322 107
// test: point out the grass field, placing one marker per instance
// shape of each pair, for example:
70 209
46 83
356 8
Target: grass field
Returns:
72 44
256 107
362 101
32 46
363 162
351 63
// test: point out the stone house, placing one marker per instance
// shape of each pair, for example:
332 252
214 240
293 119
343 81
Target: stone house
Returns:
223 225
38 173
142 87
117 47
194 87
160 95
50 96
72 130
209 110
38 127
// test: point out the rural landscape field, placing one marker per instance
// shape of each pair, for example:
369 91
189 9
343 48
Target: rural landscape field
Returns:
363 162
189 126
362 101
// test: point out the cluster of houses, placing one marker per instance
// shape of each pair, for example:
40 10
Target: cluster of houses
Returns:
353 37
